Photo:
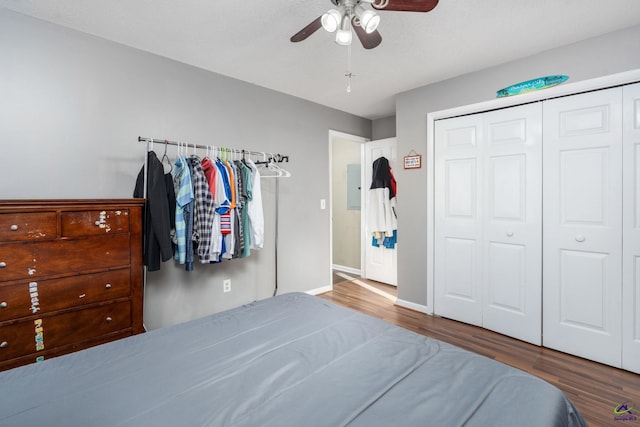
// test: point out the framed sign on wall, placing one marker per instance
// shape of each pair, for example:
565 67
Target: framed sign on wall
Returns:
413 160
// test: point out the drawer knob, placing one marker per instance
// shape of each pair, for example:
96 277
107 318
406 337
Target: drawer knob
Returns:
509 233
3 264
108 319
4 304
14 227
580 238
4 344
107 286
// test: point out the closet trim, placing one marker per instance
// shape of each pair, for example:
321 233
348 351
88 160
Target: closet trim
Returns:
619 79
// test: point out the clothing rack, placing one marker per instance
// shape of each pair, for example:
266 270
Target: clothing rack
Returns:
268 158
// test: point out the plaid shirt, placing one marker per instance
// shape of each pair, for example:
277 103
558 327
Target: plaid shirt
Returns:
203 216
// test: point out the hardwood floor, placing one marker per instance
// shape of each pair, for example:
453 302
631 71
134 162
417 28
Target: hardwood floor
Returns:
595 389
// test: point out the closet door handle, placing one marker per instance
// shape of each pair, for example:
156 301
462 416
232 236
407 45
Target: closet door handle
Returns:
14 227
580 238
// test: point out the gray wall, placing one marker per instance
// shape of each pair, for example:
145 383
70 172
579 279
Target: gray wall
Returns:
73 105
383 128
608 54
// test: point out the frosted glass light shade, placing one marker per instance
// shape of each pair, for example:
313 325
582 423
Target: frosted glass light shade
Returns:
369 21
331 20
344 37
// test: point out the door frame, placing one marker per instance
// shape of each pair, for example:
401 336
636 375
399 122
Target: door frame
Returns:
626 77
334 134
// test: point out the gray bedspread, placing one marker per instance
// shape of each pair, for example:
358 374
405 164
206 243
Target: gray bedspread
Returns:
292 360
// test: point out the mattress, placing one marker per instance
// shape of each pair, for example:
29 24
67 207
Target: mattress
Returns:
291 360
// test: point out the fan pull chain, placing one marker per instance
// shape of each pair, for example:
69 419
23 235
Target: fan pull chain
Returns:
348 69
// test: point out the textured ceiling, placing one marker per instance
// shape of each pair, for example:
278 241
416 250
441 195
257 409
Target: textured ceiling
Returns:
249 40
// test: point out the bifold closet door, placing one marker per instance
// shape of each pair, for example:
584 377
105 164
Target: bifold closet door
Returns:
582 225
512 220
631 230
458 170
488 220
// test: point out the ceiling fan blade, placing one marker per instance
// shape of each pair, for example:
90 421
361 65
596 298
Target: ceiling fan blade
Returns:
307 31
368 40
405 5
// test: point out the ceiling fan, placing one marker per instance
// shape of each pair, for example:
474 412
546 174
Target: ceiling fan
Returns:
351 14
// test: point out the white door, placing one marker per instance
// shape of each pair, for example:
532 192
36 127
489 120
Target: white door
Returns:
512 220
582 225
631 226
488 231
380 263
458 171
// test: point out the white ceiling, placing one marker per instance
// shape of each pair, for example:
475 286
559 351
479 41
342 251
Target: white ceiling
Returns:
249 40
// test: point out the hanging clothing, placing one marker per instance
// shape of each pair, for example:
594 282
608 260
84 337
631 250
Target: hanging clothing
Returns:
381 210
158 222
210 172
254 208
244 216
184 201
189 218
204 211
207 209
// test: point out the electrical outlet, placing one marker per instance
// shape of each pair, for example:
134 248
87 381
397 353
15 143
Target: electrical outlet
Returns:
226 285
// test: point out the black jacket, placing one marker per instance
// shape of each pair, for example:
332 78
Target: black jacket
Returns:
160 212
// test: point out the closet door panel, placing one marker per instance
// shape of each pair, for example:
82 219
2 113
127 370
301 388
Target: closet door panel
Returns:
582 220
631 229
458 227
512 222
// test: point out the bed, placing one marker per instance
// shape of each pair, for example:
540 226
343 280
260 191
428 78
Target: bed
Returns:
291 360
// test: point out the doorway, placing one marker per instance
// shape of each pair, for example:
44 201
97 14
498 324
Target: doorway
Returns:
346 157
351 258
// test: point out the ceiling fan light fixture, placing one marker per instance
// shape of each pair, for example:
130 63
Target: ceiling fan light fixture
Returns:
368 18
344 35
370 21
331 20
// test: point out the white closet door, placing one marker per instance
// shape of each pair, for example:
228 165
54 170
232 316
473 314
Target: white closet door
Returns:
458 222
582 225
631 226
512 241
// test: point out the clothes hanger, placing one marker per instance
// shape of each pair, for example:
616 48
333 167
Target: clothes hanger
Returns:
164 156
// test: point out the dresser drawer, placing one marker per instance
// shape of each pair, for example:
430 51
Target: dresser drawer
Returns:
59 351
31 260
43 296
91 223
28 226
49 332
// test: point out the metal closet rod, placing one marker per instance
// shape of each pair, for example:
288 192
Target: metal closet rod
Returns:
276 157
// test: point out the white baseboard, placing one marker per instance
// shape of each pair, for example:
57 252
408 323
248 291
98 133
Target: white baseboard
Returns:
320 290
349 270
412 306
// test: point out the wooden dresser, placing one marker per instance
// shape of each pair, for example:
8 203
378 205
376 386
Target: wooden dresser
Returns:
70 276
